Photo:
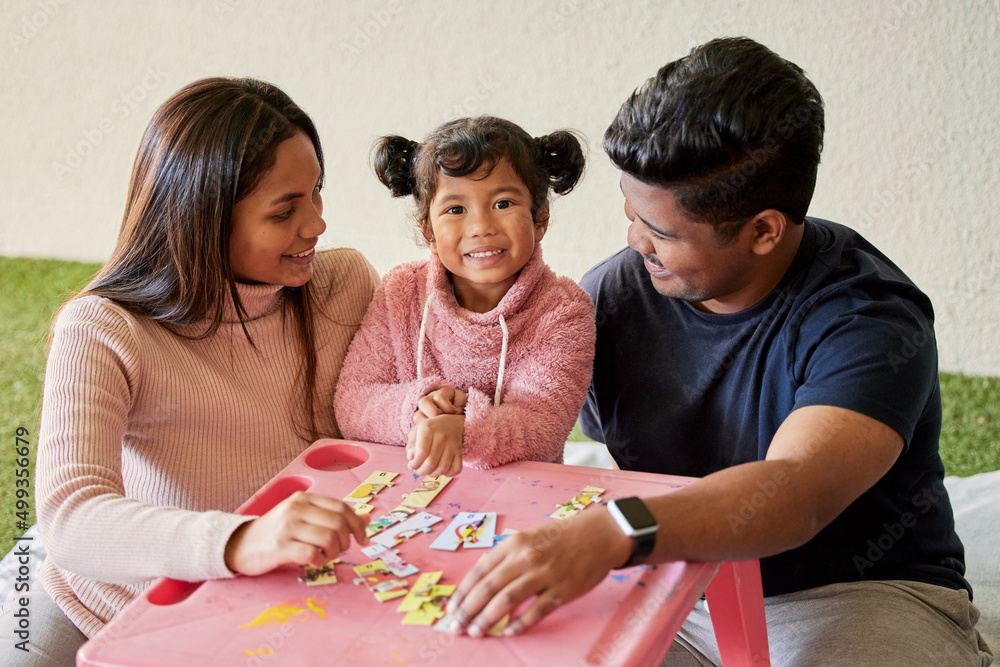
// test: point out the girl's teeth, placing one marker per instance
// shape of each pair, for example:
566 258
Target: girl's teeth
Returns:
485 254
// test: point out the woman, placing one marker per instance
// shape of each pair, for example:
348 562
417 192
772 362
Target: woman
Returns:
187 373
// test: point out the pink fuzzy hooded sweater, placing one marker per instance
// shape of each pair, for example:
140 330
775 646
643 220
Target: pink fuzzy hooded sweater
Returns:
149 441
415 338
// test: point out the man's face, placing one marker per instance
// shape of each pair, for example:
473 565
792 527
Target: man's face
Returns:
682 256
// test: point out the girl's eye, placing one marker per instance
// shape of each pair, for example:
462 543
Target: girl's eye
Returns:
454 210
281 217
503 203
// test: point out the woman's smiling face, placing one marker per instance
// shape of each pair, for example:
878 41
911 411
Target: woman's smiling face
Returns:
276 227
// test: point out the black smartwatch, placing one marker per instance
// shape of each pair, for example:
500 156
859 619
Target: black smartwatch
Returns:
636 521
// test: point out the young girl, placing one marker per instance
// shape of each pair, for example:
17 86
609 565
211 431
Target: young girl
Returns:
183 377
480 353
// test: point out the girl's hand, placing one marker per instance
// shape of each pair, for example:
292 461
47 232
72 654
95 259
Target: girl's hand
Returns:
435 445
443 401
305 528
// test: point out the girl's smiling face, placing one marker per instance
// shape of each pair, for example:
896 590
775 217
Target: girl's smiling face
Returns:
276 227
482 230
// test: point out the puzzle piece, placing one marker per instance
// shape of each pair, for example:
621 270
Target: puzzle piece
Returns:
392 594
589 496
381 579
417 523
320 576
501 625
381 523
474 530
431 607
426 492
363 508
374 551
372 568
420 592
391 559
376 481
397 565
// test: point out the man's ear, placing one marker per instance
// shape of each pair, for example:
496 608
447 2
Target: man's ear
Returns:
541 223
768 229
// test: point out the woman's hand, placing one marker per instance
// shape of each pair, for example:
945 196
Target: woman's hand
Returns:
443 401
305 528
434 446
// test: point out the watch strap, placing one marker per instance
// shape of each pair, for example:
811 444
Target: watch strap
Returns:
643 548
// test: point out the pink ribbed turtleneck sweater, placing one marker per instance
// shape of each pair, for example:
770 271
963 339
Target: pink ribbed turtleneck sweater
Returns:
149 440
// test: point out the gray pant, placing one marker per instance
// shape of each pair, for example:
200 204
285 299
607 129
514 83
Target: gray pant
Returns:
883 623
52 638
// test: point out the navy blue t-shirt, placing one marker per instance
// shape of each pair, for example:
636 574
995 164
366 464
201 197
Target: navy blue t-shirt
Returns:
684 392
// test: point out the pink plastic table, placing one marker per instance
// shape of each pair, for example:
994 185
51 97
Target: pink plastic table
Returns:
629 619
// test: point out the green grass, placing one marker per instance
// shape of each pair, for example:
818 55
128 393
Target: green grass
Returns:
970 429
32 292
34 289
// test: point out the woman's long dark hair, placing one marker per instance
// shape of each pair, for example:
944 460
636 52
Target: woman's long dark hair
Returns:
206 148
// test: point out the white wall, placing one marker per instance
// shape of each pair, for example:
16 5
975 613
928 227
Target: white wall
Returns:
911 89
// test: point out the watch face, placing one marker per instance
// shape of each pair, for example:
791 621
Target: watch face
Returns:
636 513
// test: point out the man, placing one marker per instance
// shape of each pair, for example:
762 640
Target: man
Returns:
783 359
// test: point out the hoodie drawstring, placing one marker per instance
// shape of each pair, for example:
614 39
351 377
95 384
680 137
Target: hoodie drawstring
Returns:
503 362
503 349
423 331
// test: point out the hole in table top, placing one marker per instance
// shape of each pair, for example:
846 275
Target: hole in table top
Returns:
274 492
340 456
172 591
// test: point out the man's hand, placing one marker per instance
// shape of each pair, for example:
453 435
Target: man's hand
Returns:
434 446
443 401
305 528
554 563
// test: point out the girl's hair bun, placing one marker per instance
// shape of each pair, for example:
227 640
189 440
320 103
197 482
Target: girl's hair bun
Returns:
563 157
392 159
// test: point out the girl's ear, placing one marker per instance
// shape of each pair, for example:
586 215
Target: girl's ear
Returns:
541 223
428 233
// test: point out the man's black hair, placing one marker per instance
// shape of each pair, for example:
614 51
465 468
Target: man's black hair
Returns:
731 129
